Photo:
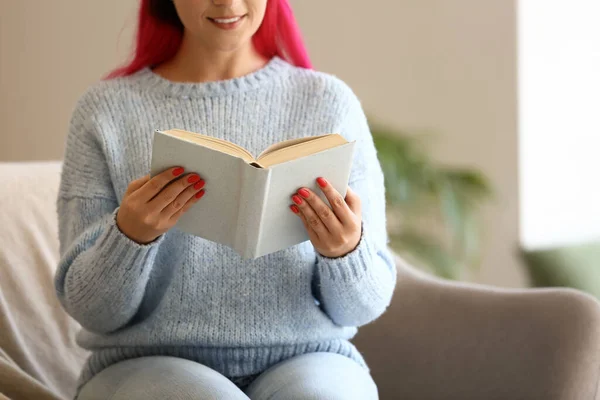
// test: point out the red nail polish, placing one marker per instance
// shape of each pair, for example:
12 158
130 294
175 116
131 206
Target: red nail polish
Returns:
304 193
297 199
295 209
200 194
199 185
178 171
322 182
193 179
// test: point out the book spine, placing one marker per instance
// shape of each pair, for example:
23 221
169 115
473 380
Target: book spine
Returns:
258 248
253 191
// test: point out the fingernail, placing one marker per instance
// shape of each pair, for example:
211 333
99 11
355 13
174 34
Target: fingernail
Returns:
193 178
304 193
322 182
200 194
199 185
295 209
178 171
297 199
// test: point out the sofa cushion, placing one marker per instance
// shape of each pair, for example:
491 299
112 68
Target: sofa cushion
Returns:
38 355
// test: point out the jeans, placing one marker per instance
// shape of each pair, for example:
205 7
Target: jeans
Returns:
312 376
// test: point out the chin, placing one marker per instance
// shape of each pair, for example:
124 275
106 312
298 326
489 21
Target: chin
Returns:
229 45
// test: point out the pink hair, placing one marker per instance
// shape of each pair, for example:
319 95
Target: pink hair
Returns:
158 40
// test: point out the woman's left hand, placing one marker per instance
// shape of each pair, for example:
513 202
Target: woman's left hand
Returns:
334 231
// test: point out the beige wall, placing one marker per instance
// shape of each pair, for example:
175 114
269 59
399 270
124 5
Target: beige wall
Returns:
49 52
442 66
436 65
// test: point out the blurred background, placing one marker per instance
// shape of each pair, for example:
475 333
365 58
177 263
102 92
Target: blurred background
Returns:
484 112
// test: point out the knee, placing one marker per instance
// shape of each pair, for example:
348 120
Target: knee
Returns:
318 376
151 378
330 393
325 376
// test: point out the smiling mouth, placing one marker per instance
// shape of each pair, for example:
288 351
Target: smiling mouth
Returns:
227 20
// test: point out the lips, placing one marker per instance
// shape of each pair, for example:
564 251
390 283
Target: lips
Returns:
227 22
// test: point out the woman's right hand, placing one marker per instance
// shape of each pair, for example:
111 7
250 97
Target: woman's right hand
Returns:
151 207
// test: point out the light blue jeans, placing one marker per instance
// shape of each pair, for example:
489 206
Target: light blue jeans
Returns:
312 376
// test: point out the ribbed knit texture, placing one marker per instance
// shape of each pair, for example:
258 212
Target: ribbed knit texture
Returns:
188 297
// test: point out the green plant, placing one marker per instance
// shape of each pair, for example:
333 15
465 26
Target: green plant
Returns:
433 210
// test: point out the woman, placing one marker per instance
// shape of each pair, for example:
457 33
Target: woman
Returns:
169 315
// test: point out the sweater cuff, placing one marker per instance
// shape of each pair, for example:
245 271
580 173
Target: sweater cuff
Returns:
120 250
349 267
126 239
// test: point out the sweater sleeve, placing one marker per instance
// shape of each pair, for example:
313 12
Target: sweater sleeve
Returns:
355 289
102 274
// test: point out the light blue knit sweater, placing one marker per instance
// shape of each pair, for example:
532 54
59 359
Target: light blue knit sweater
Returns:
188 297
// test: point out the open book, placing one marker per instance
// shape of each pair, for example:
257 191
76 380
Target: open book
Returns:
246 205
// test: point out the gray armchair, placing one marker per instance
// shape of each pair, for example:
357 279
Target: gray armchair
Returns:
442 340
438 340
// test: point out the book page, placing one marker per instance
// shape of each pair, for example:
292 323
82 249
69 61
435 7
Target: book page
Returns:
300 148
286 143
222 145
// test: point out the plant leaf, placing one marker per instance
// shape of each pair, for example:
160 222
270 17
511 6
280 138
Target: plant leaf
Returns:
424 190
428 251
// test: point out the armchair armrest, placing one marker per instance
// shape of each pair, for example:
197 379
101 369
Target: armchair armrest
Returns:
447 340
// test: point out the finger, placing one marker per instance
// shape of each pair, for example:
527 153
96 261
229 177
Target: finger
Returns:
171 192
182 198
157 183
137 183
326 215
311 233
312 219
193 200
337 202
353 202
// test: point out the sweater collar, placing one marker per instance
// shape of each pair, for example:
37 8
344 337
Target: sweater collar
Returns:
274 68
